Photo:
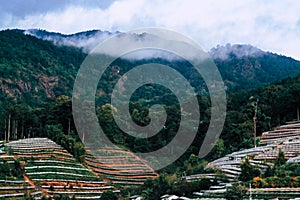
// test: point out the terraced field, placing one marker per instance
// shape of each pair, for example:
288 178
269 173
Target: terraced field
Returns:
12 187
286 138
282 133
120 166
50 170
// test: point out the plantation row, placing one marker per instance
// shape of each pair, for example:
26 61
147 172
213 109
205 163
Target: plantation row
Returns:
281 139
121 167
50 171
46 169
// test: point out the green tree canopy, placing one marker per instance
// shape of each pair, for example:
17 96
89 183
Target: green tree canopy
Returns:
109 195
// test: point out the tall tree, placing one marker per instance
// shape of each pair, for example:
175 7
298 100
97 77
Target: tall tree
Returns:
280 159
248 171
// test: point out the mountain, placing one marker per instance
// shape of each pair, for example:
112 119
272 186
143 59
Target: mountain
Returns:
241 66
35 70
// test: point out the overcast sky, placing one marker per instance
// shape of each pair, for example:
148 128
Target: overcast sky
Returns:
272 25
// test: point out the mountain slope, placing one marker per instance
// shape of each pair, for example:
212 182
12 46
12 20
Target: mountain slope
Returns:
35 70
245 66
276 104
241 66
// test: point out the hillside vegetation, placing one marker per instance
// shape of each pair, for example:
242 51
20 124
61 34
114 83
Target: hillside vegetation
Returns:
36 81
37 78
33 70
40 168
247 67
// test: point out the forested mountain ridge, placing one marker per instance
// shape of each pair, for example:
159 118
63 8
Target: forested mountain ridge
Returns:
34 70
241 66
246 67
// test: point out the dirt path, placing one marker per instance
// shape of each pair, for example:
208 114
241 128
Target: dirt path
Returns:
29 180
32 183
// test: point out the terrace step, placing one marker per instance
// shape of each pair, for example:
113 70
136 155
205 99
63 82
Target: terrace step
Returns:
285 137
52 166
120 166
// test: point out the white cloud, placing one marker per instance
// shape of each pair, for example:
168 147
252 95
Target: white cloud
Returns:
270 25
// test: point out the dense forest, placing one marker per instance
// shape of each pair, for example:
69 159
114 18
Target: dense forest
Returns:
37 77
246 72
34 71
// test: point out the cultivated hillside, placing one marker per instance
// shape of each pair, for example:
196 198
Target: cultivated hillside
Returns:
40 167
272 168
33 71
46 169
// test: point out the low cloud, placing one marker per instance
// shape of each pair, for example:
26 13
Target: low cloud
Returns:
86 41
237 50
269 25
